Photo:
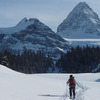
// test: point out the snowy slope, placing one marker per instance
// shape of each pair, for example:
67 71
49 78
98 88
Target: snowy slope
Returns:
81 23
17 86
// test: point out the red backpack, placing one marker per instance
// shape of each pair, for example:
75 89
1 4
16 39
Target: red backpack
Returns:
71 82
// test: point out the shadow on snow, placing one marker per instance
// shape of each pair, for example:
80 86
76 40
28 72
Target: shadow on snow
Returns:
51 95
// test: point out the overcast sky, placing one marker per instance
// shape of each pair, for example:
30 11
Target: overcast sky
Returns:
49 12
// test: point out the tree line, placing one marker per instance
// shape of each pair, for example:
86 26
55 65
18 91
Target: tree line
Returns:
79 60
76 60
27 62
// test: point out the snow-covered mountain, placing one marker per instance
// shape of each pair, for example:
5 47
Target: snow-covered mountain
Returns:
31 34
81 23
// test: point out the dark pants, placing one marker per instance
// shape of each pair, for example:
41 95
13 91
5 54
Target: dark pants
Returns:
72 91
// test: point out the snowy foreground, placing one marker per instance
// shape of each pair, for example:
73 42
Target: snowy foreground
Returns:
18 86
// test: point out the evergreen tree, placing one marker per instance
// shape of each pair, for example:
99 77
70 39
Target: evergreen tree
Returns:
79 60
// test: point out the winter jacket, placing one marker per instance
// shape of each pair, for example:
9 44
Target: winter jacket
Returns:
71 82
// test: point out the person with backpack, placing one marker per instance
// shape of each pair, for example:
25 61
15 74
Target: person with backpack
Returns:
71 82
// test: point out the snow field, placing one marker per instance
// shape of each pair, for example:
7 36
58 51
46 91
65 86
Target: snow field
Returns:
18 86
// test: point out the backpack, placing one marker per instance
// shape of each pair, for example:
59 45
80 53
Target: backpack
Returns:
71 82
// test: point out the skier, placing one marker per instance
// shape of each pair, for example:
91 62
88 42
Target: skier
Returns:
72 84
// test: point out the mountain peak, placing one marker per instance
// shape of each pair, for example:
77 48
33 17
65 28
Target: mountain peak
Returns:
82 4
81 20
25 20
22 25
82 7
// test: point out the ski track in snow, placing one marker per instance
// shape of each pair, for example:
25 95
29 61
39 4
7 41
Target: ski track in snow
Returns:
80 89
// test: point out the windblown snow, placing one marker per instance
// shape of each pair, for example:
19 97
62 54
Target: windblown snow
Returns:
18 86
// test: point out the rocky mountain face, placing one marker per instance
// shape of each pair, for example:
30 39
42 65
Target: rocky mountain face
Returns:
82 22
31 34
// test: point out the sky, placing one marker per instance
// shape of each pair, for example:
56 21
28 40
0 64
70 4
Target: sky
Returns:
49 12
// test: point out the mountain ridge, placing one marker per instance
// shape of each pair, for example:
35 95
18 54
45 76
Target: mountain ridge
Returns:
31 34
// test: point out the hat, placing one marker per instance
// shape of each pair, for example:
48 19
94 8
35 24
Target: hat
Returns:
71 76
